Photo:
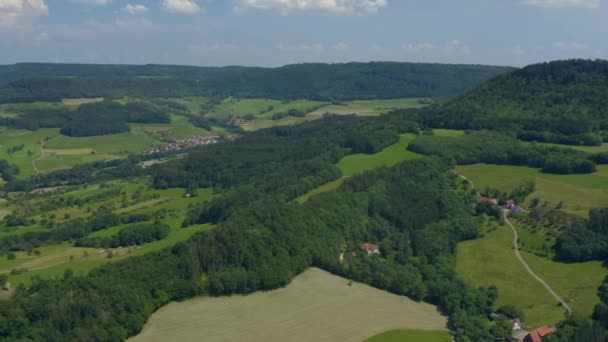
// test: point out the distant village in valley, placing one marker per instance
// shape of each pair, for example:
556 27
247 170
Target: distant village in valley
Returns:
185 143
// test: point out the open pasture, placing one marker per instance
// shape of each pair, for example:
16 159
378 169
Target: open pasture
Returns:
411 335
491 261
315 306
357 163
391 155
367 107
579 192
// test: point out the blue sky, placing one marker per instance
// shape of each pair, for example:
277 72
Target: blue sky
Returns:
277 32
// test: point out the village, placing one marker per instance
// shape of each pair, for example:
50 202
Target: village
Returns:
185 143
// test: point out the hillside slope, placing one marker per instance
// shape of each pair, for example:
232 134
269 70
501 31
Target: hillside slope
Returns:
50 82
565 100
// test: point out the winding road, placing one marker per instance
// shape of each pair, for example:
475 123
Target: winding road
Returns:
518 254
529 269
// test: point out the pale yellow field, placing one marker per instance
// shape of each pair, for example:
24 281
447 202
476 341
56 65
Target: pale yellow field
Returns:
316 306
78 102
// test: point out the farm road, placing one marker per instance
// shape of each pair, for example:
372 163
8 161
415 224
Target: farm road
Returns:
518 254
529 269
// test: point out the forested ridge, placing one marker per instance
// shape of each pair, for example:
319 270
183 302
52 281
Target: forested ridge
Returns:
560 102
350 81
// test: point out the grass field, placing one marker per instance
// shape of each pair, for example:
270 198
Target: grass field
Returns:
368 107
411 335
357 163
579 192
588 149
78 102
115 144
491 261
316 306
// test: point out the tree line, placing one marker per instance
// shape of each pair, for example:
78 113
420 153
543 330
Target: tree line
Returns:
497 148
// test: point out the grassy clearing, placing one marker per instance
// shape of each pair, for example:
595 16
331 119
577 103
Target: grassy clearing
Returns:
337 312
448 133
260 108
78 102
367 107
579 192
588 149
411 335
357 163
491 261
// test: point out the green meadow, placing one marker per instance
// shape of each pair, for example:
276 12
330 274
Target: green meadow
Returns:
491 261
357 163
411 335
579 192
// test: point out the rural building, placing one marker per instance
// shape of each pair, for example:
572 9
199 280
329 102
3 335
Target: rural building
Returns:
538 334
512 207
370 248
482 199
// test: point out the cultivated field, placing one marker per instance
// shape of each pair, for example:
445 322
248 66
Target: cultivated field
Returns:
491 261
316 306
368 107
411 335
579 192
78 102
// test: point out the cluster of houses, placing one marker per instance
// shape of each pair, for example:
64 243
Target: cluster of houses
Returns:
189 142
508 205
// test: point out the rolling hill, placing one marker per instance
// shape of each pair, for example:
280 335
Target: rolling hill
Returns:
560 101
350 81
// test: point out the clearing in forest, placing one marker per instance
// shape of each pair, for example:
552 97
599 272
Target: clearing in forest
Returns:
316 306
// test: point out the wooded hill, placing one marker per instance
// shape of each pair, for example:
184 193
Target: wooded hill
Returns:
561 102
350 81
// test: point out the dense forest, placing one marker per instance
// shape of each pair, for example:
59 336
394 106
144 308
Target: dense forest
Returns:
107 117
351 81
559 102
497 148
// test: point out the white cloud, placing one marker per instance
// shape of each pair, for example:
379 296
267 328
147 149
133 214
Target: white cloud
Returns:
16 12
92 2
135 9
569 45
323 6
563 3
181 6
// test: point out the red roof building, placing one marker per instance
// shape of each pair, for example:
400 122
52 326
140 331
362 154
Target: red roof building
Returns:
538 334
370 248
482 199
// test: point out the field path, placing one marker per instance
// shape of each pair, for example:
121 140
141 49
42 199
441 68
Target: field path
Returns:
518 254
529 269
